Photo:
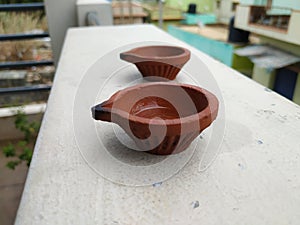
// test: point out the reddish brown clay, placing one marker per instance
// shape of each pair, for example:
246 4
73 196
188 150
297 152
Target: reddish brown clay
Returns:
158 61
162 118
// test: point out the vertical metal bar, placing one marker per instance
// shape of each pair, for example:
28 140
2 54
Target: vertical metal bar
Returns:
269 4
122 11
160 9
130 11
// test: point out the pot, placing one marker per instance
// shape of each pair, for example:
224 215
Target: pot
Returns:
162 118
158 61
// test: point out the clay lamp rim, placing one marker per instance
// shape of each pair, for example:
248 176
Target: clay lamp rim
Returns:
209 111
137 55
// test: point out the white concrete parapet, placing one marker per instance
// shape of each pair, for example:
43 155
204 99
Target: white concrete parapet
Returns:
254 180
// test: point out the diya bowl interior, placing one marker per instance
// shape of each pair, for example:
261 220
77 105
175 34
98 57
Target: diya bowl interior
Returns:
162 118
158 61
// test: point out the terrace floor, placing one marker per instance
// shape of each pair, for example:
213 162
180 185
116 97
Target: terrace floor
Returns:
216 32
11 187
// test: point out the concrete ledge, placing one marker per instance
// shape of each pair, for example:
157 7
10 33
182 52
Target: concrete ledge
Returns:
7 119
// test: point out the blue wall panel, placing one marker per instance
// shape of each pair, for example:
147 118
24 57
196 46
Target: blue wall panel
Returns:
217 49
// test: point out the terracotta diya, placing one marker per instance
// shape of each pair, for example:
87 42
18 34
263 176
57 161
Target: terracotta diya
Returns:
158 61
162 118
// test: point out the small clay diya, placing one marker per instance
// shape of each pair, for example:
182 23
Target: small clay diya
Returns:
162 118
158 61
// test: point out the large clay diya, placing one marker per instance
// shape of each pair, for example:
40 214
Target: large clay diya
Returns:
158 61
162 118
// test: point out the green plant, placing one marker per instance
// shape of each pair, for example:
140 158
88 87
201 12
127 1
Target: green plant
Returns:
22 150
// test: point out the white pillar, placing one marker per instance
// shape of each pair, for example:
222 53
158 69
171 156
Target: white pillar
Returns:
60 15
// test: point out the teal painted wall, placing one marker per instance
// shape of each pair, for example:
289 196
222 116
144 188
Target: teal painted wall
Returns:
195 19
203 6
253 2
218 50
292 4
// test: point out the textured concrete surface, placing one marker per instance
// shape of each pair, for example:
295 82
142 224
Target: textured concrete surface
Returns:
254 180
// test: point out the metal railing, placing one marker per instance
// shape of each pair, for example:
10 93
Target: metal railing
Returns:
17 37
41 87
23 36
21 7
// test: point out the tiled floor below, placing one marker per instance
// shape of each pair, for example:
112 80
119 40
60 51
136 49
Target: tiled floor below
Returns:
11 188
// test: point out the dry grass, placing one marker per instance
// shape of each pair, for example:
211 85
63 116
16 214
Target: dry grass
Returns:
24 50
12 23
15 22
